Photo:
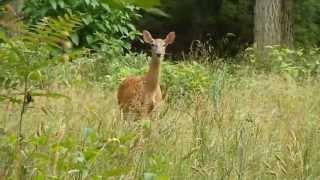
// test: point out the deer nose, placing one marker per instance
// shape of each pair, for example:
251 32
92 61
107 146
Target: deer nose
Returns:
158 54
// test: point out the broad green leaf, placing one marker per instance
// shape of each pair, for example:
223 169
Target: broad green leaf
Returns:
87 19
89 39
61 3
106 7
53 4
75 38
87 2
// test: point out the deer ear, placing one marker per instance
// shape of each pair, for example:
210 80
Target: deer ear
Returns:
170 38
147 37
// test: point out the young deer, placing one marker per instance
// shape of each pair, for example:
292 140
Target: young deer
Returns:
140 95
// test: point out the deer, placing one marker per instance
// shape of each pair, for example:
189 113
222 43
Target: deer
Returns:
141 95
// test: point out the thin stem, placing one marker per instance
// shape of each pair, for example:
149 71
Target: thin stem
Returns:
7 115
23 107
19 133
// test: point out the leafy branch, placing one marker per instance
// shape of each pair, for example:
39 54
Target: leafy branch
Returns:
26 56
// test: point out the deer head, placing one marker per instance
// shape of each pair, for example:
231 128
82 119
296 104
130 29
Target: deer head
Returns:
158 45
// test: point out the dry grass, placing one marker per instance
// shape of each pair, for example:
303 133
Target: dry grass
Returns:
263 127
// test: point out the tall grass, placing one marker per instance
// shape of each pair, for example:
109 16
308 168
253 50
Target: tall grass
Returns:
249 126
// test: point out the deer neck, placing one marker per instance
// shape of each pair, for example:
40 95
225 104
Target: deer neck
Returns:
152 78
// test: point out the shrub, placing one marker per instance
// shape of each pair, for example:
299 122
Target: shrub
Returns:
26 56
177 79
102 26
297 63
186 78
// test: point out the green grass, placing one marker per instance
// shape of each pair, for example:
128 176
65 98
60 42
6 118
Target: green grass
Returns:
250 126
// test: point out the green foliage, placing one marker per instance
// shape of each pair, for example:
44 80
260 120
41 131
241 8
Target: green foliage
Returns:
184 79
176 79
307 26
25 59
299 64
141 3
229 130
265 127
103 26
27 54
55 154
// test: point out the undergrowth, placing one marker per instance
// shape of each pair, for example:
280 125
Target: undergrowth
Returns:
247 125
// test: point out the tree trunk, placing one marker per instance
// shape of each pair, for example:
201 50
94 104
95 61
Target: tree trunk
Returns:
267 23
287 23
273 24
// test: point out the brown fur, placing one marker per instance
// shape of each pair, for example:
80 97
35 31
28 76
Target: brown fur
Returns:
134 97
140 95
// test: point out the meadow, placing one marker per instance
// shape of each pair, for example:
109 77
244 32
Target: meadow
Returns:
240 81
235 122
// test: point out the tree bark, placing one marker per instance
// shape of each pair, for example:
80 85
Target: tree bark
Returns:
287 23
273 25
267 23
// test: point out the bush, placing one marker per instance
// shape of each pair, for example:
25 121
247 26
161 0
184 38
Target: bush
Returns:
187 78
297 63
27 56
179 79
102 26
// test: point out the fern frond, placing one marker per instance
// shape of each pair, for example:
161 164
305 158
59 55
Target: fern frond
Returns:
53 30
